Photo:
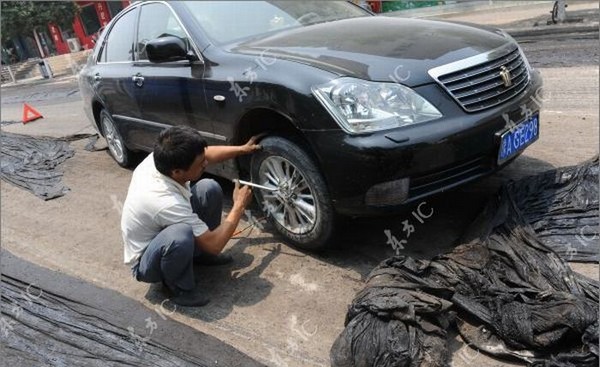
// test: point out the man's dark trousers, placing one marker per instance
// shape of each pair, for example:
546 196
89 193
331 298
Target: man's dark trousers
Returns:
169 256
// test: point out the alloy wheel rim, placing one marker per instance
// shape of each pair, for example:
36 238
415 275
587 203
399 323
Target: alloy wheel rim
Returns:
293 205
112 139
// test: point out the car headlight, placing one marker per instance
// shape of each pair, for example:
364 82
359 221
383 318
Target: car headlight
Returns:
361 106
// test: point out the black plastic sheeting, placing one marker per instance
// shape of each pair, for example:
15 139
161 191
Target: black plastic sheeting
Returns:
31 163
509 294
51 319
562 207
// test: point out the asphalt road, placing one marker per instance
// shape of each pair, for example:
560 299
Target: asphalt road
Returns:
281 306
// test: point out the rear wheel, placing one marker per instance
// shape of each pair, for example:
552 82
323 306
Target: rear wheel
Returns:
299 205
116 145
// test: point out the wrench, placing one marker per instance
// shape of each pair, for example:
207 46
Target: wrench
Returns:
242 182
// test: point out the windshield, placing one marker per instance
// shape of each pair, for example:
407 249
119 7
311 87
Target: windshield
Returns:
225 21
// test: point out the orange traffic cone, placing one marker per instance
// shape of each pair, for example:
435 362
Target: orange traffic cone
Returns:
27 109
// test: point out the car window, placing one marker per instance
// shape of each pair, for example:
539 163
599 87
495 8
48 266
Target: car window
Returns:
156 20
225 21
119 43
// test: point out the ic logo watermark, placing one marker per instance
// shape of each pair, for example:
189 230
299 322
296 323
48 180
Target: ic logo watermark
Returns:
139 341
250 74
399 75
420 214
584 239
300 332
538 98
6 324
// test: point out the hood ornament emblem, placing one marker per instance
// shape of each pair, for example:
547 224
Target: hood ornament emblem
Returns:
505 75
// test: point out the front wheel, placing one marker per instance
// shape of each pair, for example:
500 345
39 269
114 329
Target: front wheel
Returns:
116 145
299 205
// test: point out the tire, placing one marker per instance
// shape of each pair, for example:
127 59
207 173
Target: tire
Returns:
555 12
116 145
301 210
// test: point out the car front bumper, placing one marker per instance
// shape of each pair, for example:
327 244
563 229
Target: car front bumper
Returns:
411 163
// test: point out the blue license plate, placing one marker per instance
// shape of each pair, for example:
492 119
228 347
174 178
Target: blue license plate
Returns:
518 138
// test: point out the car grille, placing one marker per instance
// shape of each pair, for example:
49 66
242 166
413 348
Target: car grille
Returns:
449 177
481 86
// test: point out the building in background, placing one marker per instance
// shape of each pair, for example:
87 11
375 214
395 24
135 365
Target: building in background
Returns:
55 40
92 17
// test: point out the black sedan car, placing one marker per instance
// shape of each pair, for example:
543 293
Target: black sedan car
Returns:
362 113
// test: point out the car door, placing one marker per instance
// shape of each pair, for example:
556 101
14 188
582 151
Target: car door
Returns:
171 93
111 76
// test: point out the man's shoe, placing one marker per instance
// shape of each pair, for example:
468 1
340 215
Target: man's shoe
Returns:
184 298
190 299
213 260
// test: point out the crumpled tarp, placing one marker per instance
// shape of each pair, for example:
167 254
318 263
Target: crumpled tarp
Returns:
32 162
508 293
562 207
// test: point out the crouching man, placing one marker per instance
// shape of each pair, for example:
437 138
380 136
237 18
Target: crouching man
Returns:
168 225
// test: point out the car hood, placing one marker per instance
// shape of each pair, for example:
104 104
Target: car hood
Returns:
375 48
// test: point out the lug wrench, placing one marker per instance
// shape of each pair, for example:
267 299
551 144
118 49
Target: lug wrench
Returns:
242 182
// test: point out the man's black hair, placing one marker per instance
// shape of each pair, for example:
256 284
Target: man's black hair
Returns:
176 148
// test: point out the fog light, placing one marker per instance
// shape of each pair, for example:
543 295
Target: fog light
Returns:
388 193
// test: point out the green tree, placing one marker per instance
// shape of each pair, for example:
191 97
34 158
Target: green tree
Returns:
22 17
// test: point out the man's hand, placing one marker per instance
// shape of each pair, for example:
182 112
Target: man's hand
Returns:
251 146
242 196
220 153
214 241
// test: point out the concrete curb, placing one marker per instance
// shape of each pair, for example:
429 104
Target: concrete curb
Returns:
556 29
474 7
466 7
39 80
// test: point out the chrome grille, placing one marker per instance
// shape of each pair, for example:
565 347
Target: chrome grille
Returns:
481 86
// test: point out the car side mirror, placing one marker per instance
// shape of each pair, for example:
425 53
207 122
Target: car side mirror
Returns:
168 48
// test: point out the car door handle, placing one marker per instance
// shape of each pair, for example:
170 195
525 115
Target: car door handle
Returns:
97 77
138 79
